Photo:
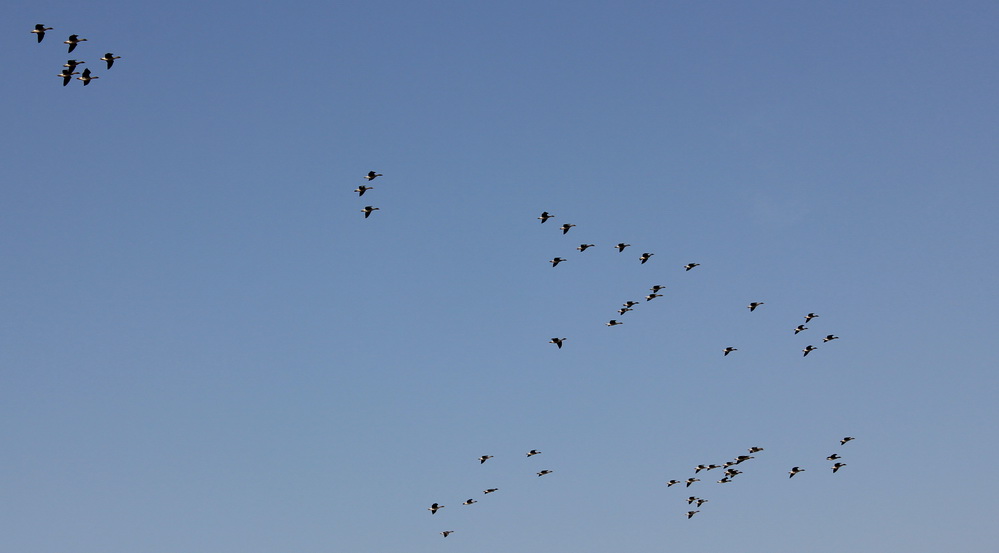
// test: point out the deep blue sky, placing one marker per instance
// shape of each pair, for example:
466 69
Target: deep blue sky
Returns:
206 348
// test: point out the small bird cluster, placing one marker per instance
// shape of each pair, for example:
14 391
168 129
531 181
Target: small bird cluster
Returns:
798 329
368 210
434 507
68 68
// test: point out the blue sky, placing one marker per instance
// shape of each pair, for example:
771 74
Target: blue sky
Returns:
205 347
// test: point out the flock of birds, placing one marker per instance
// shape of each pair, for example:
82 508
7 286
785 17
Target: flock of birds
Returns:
68 68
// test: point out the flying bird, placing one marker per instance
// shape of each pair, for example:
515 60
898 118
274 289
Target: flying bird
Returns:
556 261
742 458
434 508
73 41
699 468
491 490
794 471
368 209
624 310
362 189
724 480
729 350
533 452
701 502
40 31
645 257
614 322
691 513
691 499
809 317
71 64
808 349
558 342
837 466
109 58
372 175
692 480
469 501
752 307
544 472
447 533
755 449
672 482
67 75
621 246
630 303
582 247
545 216
799 328
830 338
690 266
86 77
651 297
565 228
846 439
656 288
484 458
833 457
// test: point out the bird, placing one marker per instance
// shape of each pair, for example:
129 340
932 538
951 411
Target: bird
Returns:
691 513
752 307
71 64
729 350
837 466
86 77
533 452
732 473
469 501
795 470
447 533
645 257
651 297
672 482
809 317
701 501
372 175
691 499
699 468
630 303
846 439
624 310
692 480
727 464
582 247
724 480
109 57
484 458
755 449
434 508
556 261
73 41
830 338
368 209
833 457
742 458
808 350
362 189
614 322
67 75
565 228
558 342
712 467
799 328
490 490
544 472
656 288
40 31
545 216
690 266
621 246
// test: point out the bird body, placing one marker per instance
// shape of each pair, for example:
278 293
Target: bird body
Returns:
691 513
565 228
109 58
837 466
484 458
67 75
368 210
39 30
809 317
808 349
621 246
701 502
651 297
86 77
645 257
755 449
557 342
690 266
71 64
447 533
752 307
72 41
469 501
490 490
672 482
614 322
656 288
544 472
582 247
830 338
533 452
545 216
372 175
692 480
434 508
846 439
556 261
833 457
362 189
794 471
799 328
624 310
729 350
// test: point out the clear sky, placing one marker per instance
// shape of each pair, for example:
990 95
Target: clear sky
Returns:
206 348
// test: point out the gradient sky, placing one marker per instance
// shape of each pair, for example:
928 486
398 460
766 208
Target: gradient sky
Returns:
205 348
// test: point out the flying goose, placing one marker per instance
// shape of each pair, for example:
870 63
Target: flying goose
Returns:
712 467
809 317
724 480
837 466
651 297
484 458
755 449
447 533
614 322
545 216
67 75
690 266
86 77
434 508
582 247
732 473
699 468
656 288
672 482
109 57
544 472
71 64
624 310
556 261
557 342
362 189
729 350
73 41
469 501
833 457
846 439
630 303
368 209
742 458
40 31
799 328
565 228
830 338
795 470
752 307
645 257
691 499
533 452
701 501
691 513
621 246
372 175
692 480
490 490
808 349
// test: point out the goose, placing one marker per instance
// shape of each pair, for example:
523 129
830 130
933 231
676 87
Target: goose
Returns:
86 77
362 189
692 480
434 508
630 303
71 64
846 439
729 350
109 57
657 288
752 307
755 449
73 41
691 499
808 350
582 247
372 175
799 328
368 209
699 468
742 458
837 466
544 472
447 533
701 501
651 297
712 467
724 480
614 322
795 470
621 246
556 261
727 464
833 457
690 266
565 228
732 473
557 342
624 310
484 458
469 501
533 452
645 257
672 482
545 216
67 76
40 31
691 513
830 338
491 490
809 317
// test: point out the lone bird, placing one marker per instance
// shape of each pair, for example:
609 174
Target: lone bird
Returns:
621 246
752 307
799 328
809 317
656 288
830 338
372 175
755 449
469 501
833 457
109 58
557 342
837 467
692 480
690 266
447 533
582 247
544 472
545 216
368 209
86 77
614 322
533 452
729 350
645 257
73 41
795 470
484 458
40 31
565 227
434 508
846 439
556 261
67 75
491 490
691 513
808 349
362 189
